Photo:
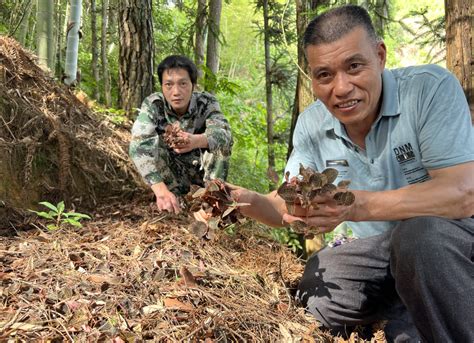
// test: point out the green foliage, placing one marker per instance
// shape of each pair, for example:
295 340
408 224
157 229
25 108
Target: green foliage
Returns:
288 237
115 115
411 26
174 28
218 83
58 217
247 117
6 10
281 22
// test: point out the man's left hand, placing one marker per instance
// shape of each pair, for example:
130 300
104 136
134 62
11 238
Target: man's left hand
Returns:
326 216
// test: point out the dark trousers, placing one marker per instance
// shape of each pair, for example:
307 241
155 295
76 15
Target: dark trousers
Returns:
420 274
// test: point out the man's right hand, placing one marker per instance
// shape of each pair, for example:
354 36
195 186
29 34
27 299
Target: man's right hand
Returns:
165 200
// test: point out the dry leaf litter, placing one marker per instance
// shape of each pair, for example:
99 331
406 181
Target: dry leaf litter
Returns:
134 274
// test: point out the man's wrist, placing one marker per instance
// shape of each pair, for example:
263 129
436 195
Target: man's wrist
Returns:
159 188
203 143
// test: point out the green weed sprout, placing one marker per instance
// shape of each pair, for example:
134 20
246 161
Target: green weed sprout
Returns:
288 237
59 217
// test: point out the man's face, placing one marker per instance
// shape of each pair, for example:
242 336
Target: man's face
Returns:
346 77
177 89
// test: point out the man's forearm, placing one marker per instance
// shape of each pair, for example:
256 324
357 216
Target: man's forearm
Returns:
448 194
267 209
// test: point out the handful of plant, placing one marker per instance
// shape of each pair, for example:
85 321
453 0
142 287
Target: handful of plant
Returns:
173 136
305 188
213 208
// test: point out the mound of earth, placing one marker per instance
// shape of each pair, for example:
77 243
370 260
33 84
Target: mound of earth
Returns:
52 147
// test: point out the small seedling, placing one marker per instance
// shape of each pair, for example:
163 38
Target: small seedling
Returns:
59 217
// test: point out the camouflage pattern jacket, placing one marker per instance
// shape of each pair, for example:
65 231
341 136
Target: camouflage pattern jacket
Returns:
203 116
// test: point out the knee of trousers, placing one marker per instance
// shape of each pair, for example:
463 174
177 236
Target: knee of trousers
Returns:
419 239
319 307
333 308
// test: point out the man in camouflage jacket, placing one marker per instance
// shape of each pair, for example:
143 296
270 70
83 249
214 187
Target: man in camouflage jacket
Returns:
204 155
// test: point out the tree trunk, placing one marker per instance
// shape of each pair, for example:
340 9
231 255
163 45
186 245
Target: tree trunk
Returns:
136 53
61 20
72 47
213 25
45 36
201 18
381 12
95 50
304 93
471 99
23 26
268 92
103 53
12 22
363 3
458 43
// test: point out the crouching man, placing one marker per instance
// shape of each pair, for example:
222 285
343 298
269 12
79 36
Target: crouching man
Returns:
203 143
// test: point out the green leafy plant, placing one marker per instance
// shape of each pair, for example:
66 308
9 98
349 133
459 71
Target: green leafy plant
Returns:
59 217
116 116
287 236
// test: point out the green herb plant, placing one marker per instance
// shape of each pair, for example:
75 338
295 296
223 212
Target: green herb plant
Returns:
59 217
288 237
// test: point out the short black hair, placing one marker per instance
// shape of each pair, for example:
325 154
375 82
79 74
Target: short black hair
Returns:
335 23
175 62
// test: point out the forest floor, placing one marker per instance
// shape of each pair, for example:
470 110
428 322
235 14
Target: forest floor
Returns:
132 274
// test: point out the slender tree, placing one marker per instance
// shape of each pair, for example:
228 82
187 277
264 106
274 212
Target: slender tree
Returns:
136 53
304 93
14 12
103 53
381 8
22 30
471 99
268 90
458 44
95 49
214 21
72 46
62 21
45 34
200 35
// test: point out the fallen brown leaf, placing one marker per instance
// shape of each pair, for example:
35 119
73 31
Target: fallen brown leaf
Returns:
100 278
188 278
175 304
